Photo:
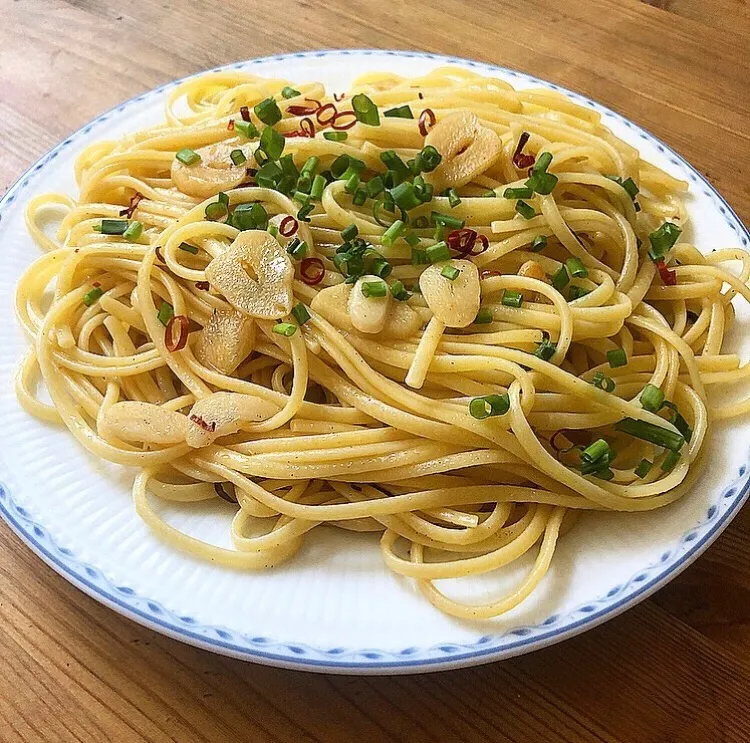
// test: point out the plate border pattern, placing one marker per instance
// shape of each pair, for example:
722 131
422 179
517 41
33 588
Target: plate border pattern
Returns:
334 659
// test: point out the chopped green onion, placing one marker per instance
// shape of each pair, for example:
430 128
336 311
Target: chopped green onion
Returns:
617 357
415 165
595 451
651 433
374 187
381 267
133 232
216 211
113 226
398 291
628 184
489 405
273 230
303 215
438 252
304 184
512 298
600 465
652 398
411 238
335 136
542 162
222 198
238 157
453 198
603 382
165 313
301 197
318 186
678 421
268 112
188 248
250 216
297 248
517 193
374 288
286 329
399 112
490 194
365 110
391 179
352 184
446 220
393 162
539 243
310 166
429 158
576 292
392 233
92 295
404 196
545 350
187 156
419 257
349 233
426 192
300 313
525 210
484 316
450 272
287 92
560 279
576 268
247 128
605 474
643 468
360 197
670 461
354 166
541 182
269 175
272 143
662 240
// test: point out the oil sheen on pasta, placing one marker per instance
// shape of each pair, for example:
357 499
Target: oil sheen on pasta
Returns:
458 387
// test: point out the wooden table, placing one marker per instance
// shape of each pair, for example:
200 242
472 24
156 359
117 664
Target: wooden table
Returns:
675 669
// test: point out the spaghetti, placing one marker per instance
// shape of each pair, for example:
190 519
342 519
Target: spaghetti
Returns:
439 309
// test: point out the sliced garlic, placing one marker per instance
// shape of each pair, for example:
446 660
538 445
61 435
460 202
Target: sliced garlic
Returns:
454 303
214 173
467 149
368 314
332 303
532 270
144 422
225 341
268 293
223 413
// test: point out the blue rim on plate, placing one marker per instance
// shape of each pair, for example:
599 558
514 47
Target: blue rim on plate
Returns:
333 659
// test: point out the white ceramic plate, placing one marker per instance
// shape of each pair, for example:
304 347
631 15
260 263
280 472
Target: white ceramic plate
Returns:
334 607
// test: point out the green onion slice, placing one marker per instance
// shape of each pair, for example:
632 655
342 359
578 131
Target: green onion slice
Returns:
286 329
365 110
399 112
165 313
187 156
489 405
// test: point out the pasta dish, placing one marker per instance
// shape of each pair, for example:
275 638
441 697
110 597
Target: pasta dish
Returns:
438 309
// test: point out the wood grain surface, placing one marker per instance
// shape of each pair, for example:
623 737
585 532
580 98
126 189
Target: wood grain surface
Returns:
674 669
